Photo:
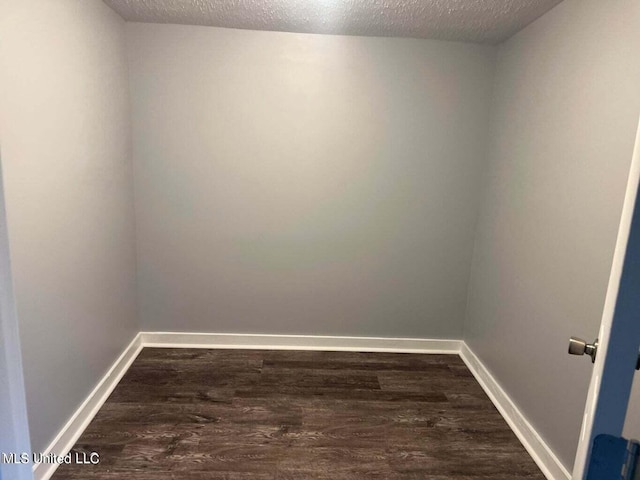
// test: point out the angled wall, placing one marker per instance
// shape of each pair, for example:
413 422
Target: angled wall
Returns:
565 114
66 159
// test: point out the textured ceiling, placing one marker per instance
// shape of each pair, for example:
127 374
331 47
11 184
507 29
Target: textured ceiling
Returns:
482 21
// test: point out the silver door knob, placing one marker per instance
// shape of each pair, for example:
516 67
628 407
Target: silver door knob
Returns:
577 346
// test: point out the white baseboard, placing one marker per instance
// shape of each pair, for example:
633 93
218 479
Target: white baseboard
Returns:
528 436
79 421
298 342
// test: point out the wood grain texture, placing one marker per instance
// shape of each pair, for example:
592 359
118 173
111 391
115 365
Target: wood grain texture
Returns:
278 415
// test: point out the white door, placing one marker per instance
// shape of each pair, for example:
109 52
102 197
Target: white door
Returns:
619 336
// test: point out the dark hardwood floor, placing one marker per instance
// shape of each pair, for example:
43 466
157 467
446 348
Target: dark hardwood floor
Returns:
250 414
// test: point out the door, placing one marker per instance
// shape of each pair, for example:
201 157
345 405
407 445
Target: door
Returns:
619 337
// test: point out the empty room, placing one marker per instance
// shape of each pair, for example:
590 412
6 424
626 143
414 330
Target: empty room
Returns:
319 239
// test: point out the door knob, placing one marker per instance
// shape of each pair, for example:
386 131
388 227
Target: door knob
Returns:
577 346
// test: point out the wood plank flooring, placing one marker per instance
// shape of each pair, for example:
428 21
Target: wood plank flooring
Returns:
280 415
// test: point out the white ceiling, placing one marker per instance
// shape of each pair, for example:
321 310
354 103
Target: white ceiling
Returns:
482 21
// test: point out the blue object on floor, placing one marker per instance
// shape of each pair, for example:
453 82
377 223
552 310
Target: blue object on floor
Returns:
614 458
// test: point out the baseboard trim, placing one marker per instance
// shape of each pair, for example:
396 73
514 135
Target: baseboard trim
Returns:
298 342
79 421
541 453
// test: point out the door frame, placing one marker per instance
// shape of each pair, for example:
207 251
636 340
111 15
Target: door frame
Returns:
614 368
13 407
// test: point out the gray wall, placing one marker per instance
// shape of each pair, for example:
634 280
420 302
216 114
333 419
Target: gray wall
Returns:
632 424
65 136
565 114
305 184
